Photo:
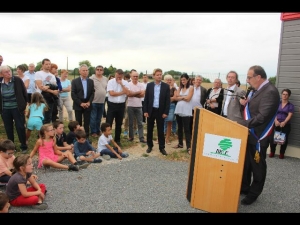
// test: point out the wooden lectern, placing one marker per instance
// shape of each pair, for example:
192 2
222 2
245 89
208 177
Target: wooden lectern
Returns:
216 164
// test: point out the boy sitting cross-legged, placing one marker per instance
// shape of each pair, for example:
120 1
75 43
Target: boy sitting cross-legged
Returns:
104 147
83 150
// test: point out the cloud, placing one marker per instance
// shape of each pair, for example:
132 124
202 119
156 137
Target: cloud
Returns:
187 42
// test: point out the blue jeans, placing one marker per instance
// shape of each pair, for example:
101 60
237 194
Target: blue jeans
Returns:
174 127
96 116
11 117
111 154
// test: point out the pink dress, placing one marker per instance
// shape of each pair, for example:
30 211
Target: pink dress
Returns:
46 151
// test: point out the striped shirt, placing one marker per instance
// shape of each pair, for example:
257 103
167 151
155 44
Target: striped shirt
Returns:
8 95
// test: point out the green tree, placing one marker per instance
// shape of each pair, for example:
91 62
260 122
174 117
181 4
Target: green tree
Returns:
206 80
91 70
86 62
38 66
76 71
272 80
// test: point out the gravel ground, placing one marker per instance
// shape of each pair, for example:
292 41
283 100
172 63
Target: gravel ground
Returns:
151 185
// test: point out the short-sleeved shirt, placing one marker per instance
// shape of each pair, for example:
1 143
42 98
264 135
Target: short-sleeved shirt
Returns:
60 139
282 113
12 187
103 141
112 85
64 84
6 164
71 138
46 78
135 101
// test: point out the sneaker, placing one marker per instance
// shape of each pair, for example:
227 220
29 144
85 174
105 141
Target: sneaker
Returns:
130 139
124 155
97 161
73 167
143 141
271 154
125 133
83 164
41 206
106 157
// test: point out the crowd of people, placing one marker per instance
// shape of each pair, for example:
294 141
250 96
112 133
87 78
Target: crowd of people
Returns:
161 102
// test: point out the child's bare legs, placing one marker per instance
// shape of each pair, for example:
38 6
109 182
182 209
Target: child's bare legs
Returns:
28 132
48 162
168 133
90 158
68 155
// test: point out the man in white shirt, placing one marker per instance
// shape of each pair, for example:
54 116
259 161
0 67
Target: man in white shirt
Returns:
231 108
118 90
134 106
145 82
45 83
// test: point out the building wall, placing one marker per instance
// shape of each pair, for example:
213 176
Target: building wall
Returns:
288 72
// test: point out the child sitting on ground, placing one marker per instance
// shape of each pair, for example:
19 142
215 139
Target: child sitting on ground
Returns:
83 150
104 146
61 137
21 195
7 150
73 126
35 113
49 155
4 203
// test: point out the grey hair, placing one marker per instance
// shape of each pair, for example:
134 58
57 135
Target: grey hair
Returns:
4 68
199 77
83 65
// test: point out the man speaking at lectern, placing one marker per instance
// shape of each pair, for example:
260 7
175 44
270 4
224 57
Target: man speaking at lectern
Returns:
259 114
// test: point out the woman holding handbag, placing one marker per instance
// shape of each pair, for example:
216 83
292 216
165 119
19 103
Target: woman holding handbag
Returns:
283 122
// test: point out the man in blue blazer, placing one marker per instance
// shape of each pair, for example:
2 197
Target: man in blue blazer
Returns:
156 108
82 93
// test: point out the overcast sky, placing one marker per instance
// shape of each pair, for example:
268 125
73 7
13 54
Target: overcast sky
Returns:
198 43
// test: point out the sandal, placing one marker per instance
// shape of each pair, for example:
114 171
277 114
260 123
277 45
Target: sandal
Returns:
178 146
189 151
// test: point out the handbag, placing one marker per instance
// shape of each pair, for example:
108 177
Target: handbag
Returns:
279 137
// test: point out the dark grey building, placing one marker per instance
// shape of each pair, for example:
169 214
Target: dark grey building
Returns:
288 73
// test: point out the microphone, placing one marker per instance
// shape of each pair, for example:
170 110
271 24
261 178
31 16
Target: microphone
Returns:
232 91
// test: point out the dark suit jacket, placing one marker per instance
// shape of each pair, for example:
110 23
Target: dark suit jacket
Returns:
203 95
164 98
262 107
77 93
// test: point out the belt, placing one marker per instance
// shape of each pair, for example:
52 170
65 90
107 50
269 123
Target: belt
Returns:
118 102
155 108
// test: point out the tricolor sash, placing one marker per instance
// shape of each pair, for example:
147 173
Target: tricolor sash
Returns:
267 131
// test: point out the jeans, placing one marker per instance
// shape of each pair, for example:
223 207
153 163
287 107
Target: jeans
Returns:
11 117
135 112
111 154
96 116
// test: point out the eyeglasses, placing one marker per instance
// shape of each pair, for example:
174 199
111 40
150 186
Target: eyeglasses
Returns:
249 78
100 69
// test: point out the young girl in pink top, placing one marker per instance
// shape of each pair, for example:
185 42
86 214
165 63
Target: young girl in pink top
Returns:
49 155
